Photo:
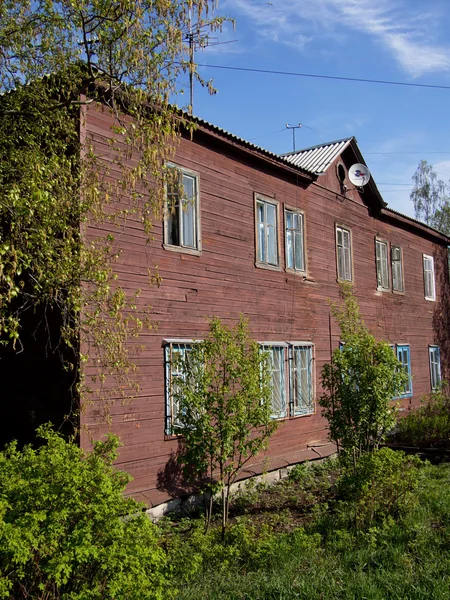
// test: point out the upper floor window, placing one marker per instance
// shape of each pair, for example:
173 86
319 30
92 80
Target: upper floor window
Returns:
435 366
428 277
381 251
344 253
295 240
181 222
404 357
266 231
397 269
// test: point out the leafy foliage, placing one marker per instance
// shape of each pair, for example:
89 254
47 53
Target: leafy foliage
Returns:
381 487
359 385
428 425
225 407
59 59
67 531
431 198
404 555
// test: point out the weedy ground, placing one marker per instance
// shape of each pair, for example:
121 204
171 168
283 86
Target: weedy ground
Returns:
295 539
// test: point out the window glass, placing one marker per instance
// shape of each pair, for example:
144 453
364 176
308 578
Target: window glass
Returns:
174 354
301 384
181 217
295 255
267 232
277 366
344 254
428 275
403 356
382 264
397 269
435 366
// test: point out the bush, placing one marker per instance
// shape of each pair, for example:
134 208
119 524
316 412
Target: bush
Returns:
381 487
359 384
67 531
428 425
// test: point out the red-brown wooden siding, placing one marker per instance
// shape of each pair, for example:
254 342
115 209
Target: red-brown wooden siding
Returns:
223 281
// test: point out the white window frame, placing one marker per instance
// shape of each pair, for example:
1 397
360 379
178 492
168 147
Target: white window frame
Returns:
435 366
397 290
382 265
197 243
292 388
172 422
307 405
260 261
429 281
301 232
346 251
281 411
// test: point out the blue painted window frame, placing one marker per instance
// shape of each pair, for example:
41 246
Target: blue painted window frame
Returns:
403 351
434 355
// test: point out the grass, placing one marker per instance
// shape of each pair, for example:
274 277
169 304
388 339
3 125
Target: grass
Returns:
289 541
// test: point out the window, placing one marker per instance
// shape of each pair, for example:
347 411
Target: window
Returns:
403 356
174 353
301 384
397 269
277 368
435 366
344 253
381 251
295 240
291 367
266 231
428 277
181 223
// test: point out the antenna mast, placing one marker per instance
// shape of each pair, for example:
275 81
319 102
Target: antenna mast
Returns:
293 127
190 36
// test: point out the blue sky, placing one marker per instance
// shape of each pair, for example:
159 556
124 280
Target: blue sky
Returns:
395 40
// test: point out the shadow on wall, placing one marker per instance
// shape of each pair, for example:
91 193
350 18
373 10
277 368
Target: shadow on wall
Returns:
35 388
173 481
441 316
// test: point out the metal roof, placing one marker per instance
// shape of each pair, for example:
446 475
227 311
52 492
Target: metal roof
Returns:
318 158
280 158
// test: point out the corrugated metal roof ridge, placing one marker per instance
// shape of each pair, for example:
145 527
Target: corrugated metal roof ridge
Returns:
318 158
349 139
279 157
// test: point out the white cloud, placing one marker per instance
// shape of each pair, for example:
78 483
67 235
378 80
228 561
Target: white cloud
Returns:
406 33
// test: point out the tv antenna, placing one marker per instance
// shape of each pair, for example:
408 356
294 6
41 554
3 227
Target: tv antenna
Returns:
197 37
293 127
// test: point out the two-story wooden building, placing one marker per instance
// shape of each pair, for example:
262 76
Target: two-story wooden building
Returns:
270 237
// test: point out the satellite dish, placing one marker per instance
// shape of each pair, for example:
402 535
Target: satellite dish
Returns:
359 174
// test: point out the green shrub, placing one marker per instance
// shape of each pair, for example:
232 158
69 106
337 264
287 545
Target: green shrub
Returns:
67 531
359 384
428 425
381 487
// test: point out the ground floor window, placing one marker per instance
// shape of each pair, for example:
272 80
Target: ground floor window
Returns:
291 366
404 357
174 353
435 366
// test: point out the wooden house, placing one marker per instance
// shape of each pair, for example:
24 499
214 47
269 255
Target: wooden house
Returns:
270 237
